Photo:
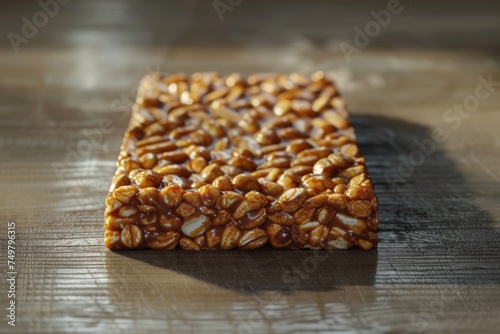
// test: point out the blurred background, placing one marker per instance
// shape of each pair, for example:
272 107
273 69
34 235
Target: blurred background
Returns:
109 44
251 24
86 54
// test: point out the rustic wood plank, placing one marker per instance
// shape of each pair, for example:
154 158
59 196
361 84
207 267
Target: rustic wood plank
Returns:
437 268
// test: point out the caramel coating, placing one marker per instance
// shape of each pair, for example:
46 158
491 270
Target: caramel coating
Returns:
227 162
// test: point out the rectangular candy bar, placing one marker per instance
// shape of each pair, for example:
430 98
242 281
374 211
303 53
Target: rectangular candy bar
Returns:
225 162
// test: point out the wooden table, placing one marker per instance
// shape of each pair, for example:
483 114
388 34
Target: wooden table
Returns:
437 268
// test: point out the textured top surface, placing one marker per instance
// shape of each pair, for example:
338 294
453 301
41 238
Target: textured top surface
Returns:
218 160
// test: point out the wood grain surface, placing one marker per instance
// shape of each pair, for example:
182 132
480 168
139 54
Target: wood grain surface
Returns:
437 268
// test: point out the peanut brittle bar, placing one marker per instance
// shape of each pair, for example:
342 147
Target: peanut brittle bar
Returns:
224 162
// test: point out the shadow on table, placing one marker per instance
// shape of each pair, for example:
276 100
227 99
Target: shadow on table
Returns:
268 269
427 222
431 232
